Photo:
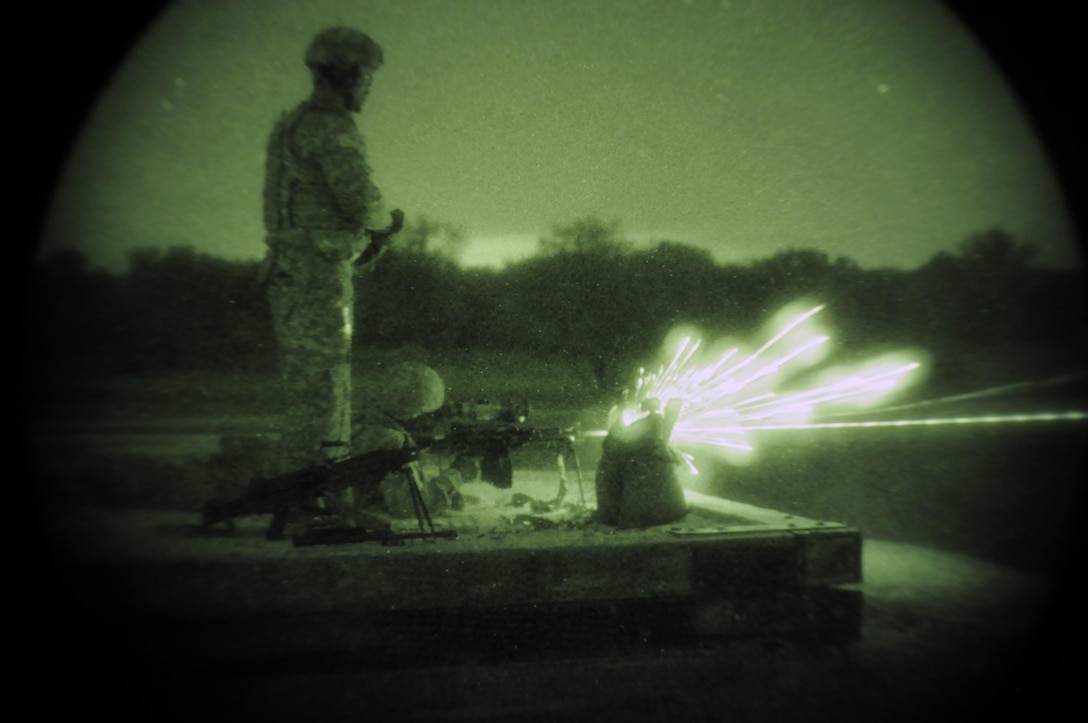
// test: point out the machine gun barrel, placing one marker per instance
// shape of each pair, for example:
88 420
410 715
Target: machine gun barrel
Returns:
485 437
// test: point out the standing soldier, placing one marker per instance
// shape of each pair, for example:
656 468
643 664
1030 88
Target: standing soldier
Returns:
319 204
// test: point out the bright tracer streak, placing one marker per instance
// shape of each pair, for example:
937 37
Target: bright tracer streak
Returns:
734 393
994 419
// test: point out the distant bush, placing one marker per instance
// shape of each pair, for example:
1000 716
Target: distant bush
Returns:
588 296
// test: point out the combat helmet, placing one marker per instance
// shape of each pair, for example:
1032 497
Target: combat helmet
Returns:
343 48
410 389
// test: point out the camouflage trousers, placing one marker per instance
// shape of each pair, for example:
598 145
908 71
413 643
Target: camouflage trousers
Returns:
311 299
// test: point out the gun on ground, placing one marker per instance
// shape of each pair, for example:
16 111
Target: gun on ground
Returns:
299 490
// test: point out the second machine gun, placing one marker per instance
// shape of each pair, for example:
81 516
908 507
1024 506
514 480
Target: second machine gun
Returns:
299 491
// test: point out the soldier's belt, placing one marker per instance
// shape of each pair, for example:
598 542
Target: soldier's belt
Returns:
334 244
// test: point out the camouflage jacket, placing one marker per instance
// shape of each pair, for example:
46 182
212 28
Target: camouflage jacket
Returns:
317 181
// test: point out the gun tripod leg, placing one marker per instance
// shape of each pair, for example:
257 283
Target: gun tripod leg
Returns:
578 471
422 513
561 464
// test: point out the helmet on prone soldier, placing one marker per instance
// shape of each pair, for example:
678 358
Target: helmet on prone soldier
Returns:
410 389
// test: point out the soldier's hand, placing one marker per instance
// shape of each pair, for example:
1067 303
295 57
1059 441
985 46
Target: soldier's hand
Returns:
396 224
380 238
398 221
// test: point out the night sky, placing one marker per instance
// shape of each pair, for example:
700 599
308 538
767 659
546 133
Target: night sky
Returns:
874 129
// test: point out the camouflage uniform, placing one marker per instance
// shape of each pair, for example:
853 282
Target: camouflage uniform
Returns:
401 393
318 201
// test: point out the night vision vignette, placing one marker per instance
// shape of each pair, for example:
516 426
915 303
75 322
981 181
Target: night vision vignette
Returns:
929 509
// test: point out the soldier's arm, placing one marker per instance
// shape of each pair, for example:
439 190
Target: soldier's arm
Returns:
338 148
274 191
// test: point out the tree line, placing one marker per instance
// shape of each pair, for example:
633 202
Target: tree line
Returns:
587 295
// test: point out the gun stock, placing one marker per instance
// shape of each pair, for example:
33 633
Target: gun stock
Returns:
299 489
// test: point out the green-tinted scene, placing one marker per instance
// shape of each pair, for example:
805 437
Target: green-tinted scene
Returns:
598 360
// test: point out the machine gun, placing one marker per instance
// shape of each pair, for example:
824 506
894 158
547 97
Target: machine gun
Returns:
299 490
467 433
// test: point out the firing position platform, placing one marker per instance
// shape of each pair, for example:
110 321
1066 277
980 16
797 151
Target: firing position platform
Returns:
726 569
